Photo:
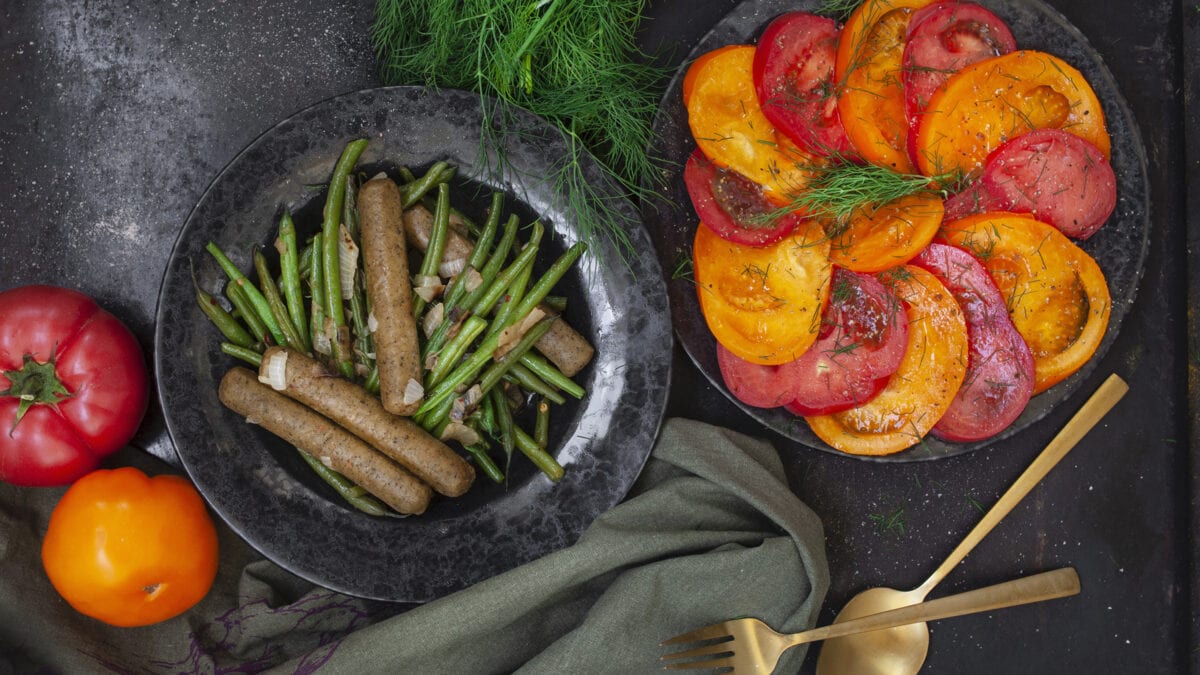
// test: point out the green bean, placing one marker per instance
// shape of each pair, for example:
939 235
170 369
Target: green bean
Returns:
350 206
529 381
223 320
485 463
541 425
558 303
316 284
353 494
257 301
504 422
406 175
290 265
437 243
551 375
537 455
411 193
504 280
494 263
450 355
244 353
549 279
291 338
306 260
334 202
505 314
241 303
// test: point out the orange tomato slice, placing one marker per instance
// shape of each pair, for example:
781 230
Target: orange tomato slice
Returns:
763 303
884 236
922 388
988 103
731 130
868 71
1056 294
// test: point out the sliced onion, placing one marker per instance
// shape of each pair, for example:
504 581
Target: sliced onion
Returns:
372 322
347 260
427 287
413 392
511 335
473 280
276 370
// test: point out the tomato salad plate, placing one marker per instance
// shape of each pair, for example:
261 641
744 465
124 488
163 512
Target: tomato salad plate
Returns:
900 233
269 493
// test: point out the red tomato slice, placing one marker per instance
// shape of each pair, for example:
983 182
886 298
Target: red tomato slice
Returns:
793 76
754 384
1057 177
971 200
733 206
943 38
864 332
1000 372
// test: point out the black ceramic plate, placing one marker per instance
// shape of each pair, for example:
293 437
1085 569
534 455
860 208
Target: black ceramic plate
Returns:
259 485
1119 247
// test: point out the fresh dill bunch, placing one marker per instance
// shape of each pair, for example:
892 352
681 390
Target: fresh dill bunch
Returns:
838 189
574 63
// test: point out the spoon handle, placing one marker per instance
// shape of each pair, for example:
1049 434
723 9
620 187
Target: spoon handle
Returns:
1092 411
1058 583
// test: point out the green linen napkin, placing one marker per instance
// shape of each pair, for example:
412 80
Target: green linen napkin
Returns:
710 532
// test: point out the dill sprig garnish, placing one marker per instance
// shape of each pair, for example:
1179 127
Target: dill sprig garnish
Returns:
840 188
575 64
838 9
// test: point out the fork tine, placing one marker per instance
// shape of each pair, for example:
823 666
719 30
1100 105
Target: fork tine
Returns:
725 647
713 631
723 662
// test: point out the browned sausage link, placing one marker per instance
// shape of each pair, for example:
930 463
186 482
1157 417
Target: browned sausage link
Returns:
565 347
418 224
337 448
354 408
389 288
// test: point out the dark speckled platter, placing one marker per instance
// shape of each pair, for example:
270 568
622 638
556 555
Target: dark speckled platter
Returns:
1119 247
258 484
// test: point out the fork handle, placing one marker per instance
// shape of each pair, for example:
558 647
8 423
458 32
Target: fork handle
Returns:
1058 583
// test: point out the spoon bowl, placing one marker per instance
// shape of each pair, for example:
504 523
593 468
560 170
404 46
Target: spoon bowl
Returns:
902 650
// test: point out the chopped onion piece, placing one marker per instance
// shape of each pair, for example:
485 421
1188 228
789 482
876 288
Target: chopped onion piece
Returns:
460 432
413 391
449 268
321 343
372 322
433 318
276 374
512 334
347 260
474 278
427 287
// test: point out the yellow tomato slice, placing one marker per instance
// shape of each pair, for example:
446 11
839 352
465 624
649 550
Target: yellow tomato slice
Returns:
763 303
880 237
868 71
730 129
922 388
988 103
1057 296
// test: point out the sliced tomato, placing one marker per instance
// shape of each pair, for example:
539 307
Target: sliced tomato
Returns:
925 383
755 384
986 104
1056 177
793 77
730 129
864 332
1055 292
689 78
763 303
943 38
734 206
971 200
880 237
1000 374
868 69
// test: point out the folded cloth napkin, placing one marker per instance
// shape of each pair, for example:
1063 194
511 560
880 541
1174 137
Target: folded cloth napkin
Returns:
710 532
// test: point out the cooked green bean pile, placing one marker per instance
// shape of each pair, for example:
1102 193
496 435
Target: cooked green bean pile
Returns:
480 318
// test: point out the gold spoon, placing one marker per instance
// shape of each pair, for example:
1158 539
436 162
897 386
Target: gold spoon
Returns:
902 650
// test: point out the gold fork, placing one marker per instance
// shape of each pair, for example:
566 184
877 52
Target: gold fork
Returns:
749 645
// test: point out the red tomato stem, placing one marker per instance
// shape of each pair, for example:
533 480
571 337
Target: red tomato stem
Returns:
34 383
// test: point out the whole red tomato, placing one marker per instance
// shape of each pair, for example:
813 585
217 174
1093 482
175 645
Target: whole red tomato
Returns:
73 385
128 549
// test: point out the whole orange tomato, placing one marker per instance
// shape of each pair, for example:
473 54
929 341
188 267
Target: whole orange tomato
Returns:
130 550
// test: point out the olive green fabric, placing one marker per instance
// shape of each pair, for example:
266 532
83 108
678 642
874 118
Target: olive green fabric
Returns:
711 531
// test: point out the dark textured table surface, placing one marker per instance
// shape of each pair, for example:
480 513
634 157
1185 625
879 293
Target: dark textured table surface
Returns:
117 115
